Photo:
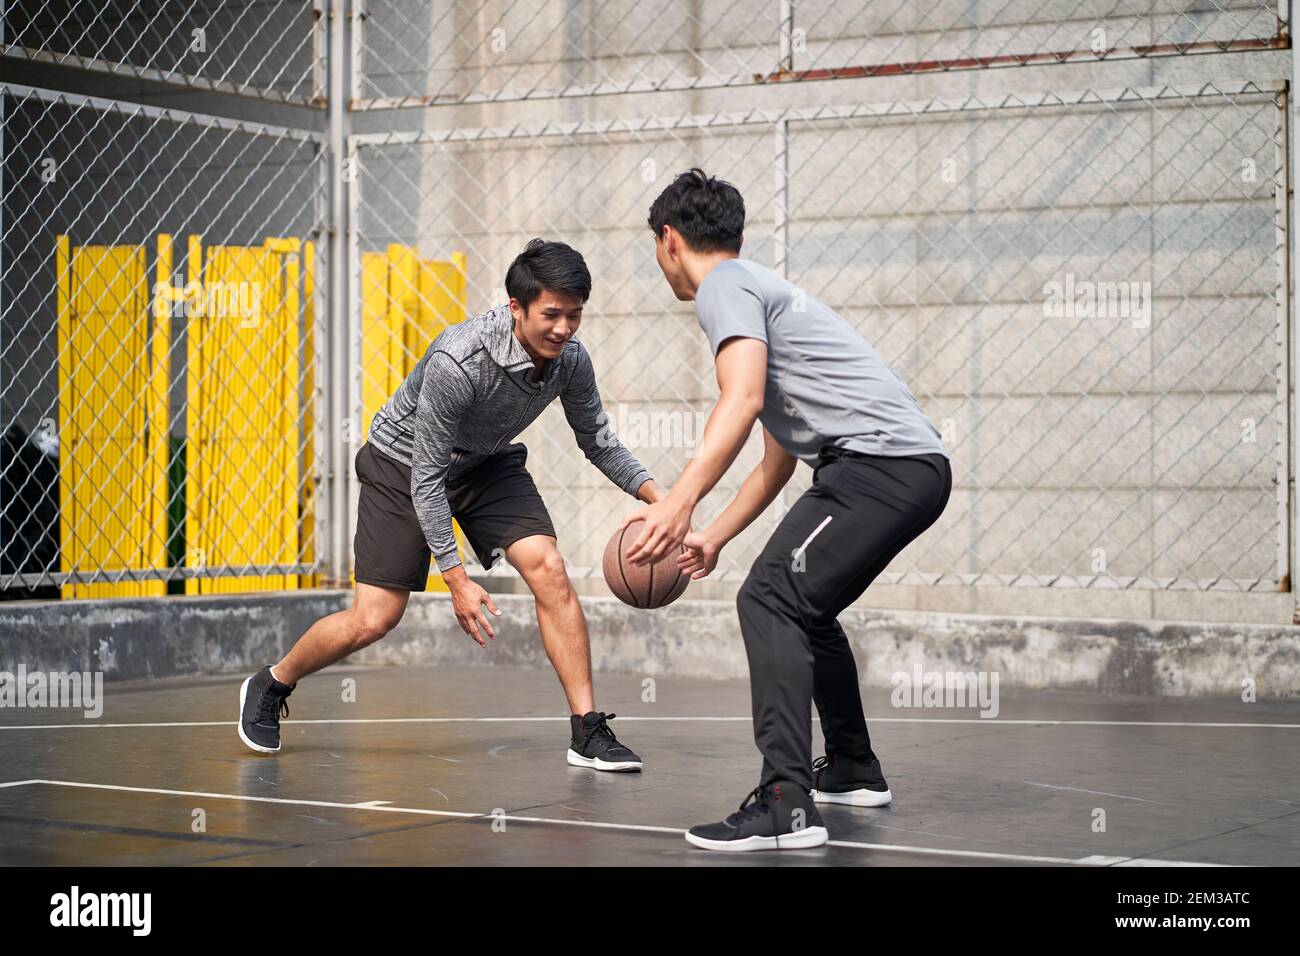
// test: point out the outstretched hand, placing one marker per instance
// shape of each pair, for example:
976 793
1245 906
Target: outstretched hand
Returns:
700 557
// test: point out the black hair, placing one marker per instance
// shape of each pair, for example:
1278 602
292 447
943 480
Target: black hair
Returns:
707 211
547 265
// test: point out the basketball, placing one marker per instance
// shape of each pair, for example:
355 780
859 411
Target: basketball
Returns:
644 585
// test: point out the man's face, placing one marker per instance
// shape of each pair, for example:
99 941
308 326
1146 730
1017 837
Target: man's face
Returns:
667 248
551 320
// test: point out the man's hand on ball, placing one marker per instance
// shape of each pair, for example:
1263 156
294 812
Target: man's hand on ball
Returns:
700 557
666 526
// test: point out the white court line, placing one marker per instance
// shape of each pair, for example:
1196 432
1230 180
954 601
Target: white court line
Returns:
379 806
993 722
1098 793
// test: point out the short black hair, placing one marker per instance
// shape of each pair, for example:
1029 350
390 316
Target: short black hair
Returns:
707 211
547 265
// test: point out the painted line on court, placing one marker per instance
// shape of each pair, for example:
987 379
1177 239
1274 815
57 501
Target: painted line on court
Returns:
1097 793
380 806
988 722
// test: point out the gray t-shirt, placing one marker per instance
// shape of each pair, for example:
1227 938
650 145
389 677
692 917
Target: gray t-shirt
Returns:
825 384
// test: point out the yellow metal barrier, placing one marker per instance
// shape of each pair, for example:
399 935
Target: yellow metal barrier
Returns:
307 502
406 302
248 420
113 374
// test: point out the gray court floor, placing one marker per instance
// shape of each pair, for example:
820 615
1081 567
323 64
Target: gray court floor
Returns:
465 766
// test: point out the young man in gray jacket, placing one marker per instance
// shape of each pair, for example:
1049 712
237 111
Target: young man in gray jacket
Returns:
441 448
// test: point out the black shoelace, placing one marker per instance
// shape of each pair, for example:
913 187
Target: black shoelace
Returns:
268 712
601 729
753 805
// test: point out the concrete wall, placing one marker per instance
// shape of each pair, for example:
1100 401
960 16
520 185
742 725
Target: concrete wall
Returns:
239 633
1147 453
1068 435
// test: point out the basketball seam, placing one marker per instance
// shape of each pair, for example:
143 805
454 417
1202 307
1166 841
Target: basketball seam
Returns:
621 572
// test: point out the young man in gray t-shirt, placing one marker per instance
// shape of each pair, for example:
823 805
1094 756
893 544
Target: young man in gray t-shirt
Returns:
880 478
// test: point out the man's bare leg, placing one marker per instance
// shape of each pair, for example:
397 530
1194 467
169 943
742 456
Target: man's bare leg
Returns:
559 616
374 612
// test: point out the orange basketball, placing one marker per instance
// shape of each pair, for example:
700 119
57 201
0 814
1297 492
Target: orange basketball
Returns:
644 585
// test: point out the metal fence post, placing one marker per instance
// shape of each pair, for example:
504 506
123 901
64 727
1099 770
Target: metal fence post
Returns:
338 406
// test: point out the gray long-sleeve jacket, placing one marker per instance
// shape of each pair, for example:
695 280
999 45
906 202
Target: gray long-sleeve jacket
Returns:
471 394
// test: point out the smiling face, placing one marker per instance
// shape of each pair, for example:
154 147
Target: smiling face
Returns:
549 322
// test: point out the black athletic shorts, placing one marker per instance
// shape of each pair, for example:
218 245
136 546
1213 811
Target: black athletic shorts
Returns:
496 503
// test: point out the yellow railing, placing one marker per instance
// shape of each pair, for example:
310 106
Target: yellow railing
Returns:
249 400
248 438
406 302
113 376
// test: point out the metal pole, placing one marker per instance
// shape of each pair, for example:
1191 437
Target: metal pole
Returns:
352 266
781 165
781 174
1291 174
786 28
340 463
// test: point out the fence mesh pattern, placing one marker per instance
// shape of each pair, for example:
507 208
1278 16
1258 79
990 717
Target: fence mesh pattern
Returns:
159 343
412 52
1083 294
271 48
1085 283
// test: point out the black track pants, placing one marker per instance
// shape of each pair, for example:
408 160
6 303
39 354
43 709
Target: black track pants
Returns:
860 512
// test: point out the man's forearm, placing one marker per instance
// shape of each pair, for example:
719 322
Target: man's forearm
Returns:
650 491
455 577
725 433
760 488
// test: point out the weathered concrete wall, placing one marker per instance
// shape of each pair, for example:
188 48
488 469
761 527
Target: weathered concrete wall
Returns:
164 637
1075 441
158 637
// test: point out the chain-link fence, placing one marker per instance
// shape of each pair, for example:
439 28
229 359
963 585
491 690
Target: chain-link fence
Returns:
1082 269
1131 436
414 53
161 342
267 48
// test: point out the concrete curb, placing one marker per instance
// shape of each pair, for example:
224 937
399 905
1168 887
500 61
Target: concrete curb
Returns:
164 637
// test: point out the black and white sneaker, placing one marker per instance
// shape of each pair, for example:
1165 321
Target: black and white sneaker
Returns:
838 778
593 744
261 704
778 817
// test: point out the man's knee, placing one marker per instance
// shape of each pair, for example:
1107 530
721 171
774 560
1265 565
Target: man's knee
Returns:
548 575
772 588
371 624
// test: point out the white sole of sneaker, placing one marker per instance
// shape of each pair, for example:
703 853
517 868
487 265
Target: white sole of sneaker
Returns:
802 840
243 696
855 798
595 763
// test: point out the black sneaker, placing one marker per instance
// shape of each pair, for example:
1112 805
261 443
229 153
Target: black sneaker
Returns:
261 704
777 817
839 778
593 744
